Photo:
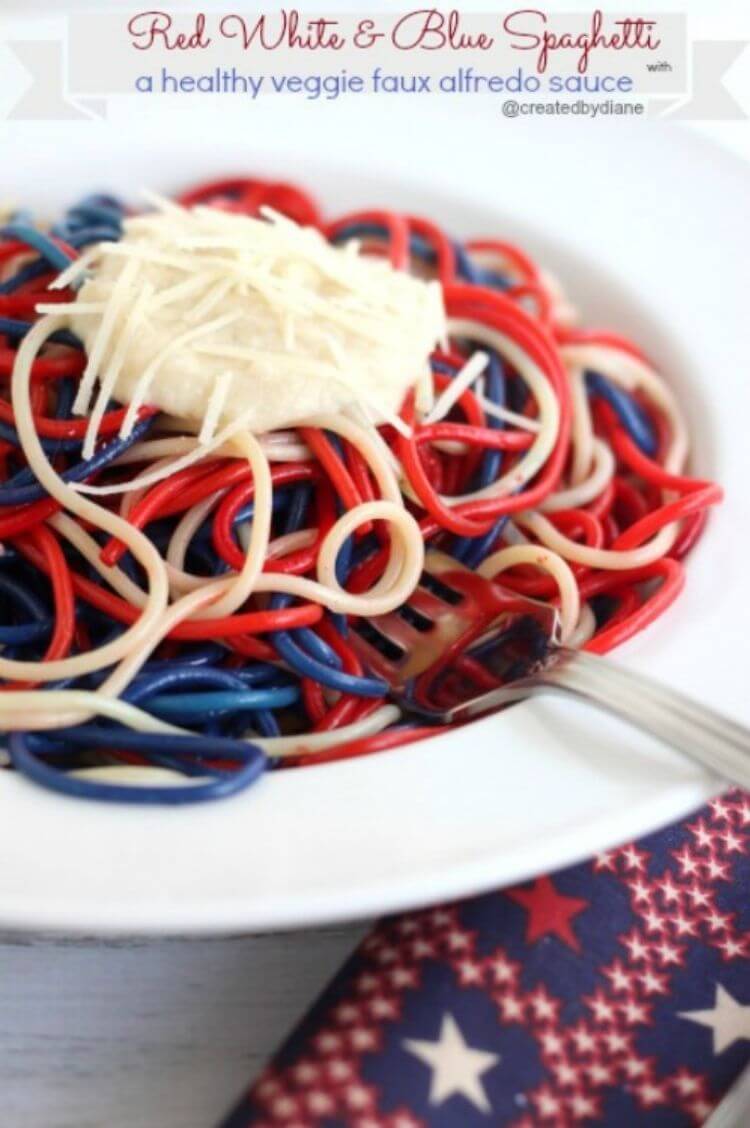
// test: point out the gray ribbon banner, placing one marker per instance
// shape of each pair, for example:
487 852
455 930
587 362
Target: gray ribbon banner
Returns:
709 99
71 79
46 98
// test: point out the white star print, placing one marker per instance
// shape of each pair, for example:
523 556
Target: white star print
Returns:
700 1110
686 1083
457 940
654 921
619 977
542 1006
732 843
357 1096
602 1009
502 969
729 1020
633 858
717 921
347 1013
702 834
548 1104
716 869
670 891
402 977
653 984
328 1041
634 1067
683 925
641 891
551 1041
583 1039
268 1088
599 1074
470 971
651 1094
403 1120
305 1073
284 1106
567 1074
383 1008
319 1102
731 947
440 918
667 953
634 1011
511 1007
638 950
339 1069
582 1105
456 1066
362 1039
688 864
720 810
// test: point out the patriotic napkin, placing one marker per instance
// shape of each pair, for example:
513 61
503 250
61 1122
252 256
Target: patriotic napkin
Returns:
615 992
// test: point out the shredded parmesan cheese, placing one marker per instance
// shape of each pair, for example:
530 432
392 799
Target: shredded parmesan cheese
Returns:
452 393
305 328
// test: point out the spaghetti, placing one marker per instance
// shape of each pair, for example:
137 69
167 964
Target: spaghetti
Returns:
176 600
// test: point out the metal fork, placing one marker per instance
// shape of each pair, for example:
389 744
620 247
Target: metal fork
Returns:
463 647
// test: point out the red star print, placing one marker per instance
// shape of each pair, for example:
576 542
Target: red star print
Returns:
549 912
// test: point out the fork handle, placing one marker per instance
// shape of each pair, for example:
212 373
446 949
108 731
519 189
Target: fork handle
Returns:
716 742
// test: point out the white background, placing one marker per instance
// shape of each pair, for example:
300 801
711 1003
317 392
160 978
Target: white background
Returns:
708 19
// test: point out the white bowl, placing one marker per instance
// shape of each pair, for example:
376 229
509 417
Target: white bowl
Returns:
647 228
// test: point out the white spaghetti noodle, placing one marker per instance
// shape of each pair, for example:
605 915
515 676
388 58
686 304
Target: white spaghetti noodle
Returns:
243 334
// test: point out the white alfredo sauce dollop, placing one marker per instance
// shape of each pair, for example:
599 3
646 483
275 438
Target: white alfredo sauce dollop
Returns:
215 317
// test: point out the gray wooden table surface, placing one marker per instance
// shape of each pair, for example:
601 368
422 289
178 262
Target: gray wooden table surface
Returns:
145 1033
